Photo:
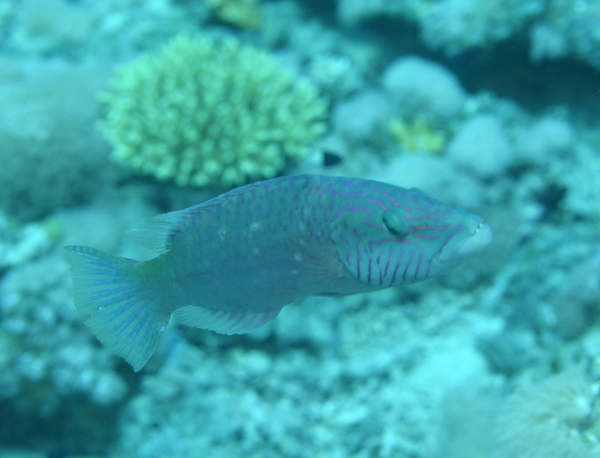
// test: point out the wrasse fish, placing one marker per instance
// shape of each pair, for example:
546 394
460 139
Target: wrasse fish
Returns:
230 264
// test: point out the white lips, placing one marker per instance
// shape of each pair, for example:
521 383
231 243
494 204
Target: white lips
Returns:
481 238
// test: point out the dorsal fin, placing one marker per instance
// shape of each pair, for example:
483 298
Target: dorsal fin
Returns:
155 234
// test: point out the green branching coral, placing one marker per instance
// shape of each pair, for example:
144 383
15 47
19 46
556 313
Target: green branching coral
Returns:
204 111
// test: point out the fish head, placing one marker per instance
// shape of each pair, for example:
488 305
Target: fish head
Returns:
407 236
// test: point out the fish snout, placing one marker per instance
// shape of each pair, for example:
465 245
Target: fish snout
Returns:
469 238
479 239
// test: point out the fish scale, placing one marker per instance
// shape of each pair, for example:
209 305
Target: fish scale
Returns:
230 264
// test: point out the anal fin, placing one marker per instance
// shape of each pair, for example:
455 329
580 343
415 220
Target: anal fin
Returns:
221 321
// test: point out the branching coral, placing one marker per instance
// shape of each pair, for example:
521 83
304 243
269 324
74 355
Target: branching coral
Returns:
203 111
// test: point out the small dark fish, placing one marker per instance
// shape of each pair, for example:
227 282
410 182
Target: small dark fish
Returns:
330 158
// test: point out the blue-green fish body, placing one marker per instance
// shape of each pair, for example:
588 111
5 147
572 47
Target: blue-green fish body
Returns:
231 264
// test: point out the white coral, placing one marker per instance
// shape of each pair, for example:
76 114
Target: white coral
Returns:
549 419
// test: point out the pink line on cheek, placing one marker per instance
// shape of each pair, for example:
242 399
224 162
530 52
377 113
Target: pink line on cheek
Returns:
378 203
394 202
391 240
370 224
418 218
423 236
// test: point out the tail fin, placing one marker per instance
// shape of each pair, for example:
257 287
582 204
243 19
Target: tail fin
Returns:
123 316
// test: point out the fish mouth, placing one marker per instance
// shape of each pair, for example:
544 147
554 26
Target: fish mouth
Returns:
480 238
462 246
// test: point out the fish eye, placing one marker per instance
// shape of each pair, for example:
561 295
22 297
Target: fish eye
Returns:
395 222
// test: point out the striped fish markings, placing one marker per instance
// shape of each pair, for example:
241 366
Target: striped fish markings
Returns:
230 264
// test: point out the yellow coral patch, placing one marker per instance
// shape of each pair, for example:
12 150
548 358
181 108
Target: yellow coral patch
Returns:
241 13
417 136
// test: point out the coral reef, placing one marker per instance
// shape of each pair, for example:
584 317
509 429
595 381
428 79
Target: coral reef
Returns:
556 418
47 351
456 25
475 364
358 118
80 30
576 302
436 175
381 400
549 137
469 410
417 136
423 87
350 12
567 28
241 13
554 29
20 244
50 367
335 74
202 111
581 184
48 138
481 145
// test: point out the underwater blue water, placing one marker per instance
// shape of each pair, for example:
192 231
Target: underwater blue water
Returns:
491 106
